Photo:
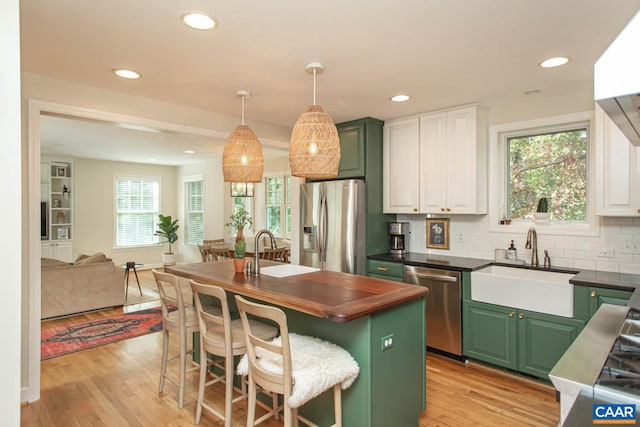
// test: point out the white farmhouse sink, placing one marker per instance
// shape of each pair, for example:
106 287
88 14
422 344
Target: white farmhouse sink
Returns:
536 290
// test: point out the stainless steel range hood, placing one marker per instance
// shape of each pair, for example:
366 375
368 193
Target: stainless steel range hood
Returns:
617 81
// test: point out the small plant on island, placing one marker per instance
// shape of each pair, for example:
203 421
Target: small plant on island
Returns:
240 249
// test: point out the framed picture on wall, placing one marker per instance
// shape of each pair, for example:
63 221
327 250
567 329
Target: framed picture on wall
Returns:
61 172
438 233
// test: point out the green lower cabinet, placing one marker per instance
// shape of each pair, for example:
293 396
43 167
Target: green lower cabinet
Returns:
587 300
542 340
524 341
385 270
599 296
490 334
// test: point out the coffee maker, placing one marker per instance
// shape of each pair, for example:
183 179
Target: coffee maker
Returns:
398 238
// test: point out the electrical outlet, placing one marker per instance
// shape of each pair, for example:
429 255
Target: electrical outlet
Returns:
460 238
607 252
387 342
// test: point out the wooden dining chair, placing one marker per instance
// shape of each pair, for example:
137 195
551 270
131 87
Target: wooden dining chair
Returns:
299 367
213 242
277 254
219 254
222 337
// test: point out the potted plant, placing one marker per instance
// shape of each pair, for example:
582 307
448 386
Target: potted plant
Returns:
238 255
238 220
542 215
167 228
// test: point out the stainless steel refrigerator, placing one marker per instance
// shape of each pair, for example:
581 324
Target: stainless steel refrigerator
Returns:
333 225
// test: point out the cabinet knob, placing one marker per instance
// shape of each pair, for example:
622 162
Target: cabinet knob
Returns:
448 210
639 211
521 316
593 294
415 209
512 313
382 268
441 209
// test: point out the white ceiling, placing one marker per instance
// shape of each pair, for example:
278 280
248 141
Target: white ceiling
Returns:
441 52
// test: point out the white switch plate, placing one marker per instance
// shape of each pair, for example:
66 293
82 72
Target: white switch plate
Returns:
630 246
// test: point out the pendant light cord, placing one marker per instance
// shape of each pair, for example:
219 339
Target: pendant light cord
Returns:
243 110
315 70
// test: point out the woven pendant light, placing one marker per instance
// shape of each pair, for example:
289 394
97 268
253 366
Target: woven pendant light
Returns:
314 151
242 155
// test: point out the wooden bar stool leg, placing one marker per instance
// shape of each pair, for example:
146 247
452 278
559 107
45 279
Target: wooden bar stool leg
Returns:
337 404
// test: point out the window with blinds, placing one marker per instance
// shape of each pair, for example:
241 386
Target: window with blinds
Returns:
137 205
194 209
278 204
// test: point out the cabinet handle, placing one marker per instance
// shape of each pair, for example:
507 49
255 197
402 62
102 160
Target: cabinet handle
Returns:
593 294
512 313
382 268
521 316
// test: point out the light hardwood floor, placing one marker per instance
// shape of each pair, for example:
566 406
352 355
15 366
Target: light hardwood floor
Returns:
116 385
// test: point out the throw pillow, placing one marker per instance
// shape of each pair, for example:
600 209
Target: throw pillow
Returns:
92 259
80 257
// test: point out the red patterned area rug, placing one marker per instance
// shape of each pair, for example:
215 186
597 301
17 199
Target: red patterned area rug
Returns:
63 340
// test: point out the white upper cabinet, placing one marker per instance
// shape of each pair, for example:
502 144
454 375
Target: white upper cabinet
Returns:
438 163
401 166
617 170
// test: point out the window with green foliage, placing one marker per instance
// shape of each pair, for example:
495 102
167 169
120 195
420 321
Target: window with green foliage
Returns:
137 202
194 209
549 163
278 204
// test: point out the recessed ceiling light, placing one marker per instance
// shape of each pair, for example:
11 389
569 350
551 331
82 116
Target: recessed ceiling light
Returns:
126 74
554 62
189 151
400 98
153 160
198 20
532 92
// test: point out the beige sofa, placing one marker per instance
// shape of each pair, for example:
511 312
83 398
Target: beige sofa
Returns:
91 283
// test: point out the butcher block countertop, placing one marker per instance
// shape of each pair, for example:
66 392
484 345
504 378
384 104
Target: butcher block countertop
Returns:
338 297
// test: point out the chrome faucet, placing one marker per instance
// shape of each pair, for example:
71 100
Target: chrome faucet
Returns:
532 243
256 254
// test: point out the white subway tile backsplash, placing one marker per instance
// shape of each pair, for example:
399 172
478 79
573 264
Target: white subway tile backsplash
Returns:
580 252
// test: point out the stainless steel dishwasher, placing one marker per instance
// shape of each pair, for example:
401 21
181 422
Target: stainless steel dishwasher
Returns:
443 306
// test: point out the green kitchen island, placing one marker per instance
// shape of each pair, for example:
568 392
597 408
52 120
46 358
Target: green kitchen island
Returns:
356 312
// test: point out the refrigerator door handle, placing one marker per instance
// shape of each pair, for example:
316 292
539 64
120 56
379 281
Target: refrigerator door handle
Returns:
322 227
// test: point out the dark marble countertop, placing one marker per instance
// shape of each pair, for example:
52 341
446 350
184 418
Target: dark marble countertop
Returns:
602 279
436 261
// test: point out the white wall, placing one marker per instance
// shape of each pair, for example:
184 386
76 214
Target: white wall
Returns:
470 235
10 215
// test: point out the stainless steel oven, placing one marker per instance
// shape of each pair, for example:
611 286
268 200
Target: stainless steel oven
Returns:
443 306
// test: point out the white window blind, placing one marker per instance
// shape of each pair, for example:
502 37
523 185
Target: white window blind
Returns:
194 209
137 204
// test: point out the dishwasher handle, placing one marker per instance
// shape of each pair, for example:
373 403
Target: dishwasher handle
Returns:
433 276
